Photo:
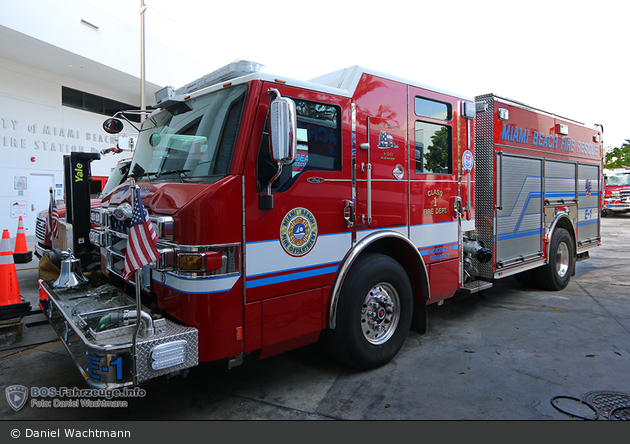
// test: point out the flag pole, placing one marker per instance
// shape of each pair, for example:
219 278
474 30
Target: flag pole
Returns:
143 8
136 333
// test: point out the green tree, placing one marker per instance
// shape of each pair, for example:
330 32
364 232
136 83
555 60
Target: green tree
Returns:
618 157
436 157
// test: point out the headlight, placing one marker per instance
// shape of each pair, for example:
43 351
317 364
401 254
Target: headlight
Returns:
123 212
96 216
97 237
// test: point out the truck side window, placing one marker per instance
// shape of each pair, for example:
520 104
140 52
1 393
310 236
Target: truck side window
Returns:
318 145
433 148
432 108
433 141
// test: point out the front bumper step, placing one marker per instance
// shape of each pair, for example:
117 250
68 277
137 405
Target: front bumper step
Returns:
98 325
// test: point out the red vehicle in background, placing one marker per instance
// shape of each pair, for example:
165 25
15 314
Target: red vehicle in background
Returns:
617 192
44 242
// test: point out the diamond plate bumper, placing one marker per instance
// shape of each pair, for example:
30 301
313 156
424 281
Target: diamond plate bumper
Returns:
97 327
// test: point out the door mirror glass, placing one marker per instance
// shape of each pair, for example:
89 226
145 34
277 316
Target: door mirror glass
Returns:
113 126
283 131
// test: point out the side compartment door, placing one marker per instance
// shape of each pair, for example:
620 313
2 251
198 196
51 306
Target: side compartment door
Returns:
519 216
588 204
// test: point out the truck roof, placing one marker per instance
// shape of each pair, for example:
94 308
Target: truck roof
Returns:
342 82
347 79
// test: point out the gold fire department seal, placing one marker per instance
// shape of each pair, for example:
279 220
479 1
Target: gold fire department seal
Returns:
298 232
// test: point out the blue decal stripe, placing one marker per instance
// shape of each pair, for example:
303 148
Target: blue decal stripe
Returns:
535 232
292 270
587 222
290 277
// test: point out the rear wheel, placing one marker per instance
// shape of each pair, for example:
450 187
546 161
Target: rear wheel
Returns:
557 273
373 314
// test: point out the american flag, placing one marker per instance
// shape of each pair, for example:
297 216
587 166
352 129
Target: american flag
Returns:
53 217
141 241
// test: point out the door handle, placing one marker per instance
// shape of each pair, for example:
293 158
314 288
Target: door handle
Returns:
348 213
457 207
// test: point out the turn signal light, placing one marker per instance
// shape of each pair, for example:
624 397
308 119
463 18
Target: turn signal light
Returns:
199 261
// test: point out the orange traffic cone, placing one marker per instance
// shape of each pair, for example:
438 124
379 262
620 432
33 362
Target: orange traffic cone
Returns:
21 255
11 305
9 291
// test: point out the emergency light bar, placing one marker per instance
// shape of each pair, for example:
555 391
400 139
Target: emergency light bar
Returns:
237 68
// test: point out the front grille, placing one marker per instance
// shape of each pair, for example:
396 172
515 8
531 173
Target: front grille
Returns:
115 245
40 230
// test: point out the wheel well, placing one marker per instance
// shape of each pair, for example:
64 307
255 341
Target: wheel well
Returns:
396 246
565 222
411 261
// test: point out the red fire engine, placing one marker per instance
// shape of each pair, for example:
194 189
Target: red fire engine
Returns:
616 196
335 209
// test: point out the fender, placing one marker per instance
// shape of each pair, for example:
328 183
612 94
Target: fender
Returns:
382 241
562 219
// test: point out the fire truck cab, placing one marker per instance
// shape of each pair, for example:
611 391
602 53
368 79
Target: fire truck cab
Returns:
335 209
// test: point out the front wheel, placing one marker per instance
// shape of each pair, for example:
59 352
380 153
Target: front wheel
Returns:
557 273
373 313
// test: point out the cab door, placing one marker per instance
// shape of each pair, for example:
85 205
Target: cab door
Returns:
435 189
294 246
381 156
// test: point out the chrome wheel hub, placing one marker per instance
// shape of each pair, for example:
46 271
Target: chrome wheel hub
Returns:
562 260
380 314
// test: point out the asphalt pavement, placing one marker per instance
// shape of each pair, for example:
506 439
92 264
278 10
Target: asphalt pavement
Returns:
508 353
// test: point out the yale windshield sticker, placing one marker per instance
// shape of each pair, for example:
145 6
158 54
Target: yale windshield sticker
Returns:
298 232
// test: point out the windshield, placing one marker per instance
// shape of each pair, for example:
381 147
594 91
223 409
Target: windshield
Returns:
116 177
192 140
617 180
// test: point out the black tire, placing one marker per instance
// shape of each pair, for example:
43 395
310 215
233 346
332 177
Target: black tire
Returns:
557 273
367 335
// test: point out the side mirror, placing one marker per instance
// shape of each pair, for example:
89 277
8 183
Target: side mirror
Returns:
113 126
283 140
283 131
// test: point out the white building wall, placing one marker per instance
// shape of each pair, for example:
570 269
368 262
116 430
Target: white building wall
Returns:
36 131
44 46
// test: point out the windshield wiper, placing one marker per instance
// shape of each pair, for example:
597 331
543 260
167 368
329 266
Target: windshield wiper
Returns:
181 173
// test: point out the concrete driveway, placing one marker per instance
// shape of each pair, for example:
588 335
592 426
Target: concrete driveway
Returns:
503 354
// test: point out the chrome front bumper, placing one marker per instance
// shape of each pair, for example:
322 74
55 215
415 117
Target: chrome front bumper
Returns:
97 326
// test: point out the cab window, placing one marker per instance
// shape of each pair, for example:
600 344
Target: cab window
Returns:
318 145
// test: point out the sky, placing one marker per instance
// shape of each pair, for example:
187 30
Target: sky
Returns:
565 57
